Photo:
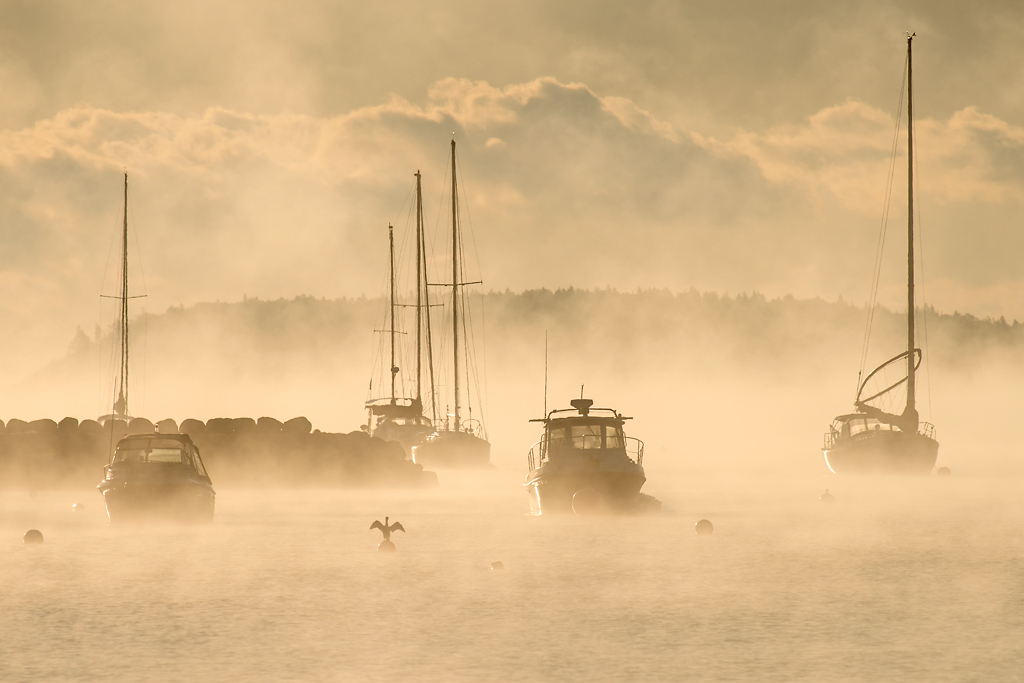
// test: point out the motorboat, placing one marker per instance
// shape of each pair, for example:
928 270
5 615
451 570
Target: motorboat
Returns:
157 475
585 453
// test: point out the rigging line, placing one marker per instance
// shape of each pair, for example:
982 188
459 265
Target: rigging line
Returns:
469 217
879 249
471 354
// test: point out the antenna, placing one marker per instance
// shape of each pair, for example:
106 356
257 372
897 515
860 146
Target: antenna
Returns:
581 391
545 373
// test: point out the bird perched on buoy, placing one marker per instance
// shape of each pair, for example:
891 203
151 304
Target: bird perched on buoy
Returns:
386 545
827 497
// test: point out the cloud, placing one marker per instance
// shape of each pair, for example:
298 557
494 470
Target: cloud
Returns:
844 152
565 186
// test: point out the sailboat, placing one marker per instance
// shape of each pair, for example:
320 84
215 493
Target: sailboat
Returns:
458 443
395 418
871 439
150 474
120 410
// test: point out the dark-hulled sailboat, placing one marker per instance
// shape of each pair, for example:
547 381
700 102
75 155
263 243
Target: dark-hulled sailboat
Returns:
459 443
395 418
872 440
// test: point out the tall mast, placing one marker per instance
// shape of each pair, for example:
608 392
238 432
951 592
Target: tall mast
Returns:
419 293
426 311
455 285
122 399
911 383
391 274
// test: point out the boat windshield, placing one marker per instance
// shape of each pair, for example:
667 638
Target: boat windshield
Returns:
859 425
151 450
586 436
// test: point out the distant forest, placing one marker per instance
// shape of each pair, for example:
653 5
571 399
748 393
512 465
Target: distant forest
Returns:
688 330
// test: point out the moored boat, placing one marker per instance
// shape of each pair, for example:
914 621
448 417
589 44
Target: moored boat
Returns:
585 449
157 475
458 442
876 439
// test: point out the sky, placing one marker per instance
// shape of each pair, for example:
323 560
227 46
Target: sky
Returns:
733 147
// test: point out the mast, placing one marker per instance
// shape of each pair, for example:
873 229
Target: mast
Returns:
391 274
121 405
421 250
455 285
419 293
911 410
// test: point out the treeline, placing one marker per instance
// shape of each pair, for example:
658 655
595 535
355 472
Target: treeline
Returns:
45 454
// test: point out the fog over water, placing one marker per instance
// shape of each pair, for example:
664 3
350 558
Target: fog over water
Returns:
680 201
919 579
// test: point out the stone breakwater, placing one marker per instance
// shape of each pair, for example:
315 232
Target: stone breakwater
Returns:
45 454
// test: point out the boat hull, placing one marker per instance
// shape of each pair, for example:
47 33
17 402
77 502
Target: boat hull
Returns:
883 452
179 501
453 450
552 492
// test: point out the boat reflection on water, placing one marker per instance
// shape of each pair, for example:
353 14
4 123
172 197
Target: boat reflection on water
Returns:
585 450
157 475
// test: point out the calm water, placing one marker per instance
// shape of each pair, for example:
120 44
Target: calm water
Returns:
901 579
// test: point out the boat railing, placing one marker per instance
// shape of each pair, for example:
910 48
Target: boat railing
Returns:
538 454
831 437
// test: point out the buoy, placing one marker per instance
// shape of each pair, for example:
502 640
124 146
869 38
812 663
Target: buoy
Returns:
386 547
78 507
33 536
827 497
587 502
703 527
495 566
944 472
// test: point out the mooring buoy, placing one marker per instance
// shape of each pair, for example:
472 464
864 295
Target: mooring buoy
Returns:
385 547
33 536
78 507
703 527
497 566
944 472
827 497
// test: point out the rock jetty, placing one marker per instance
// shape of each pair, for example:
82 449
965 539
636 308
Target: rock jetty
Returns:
44 454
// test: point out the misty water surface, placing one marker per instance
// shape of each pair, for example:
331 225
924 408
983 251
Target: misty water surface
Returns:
900 579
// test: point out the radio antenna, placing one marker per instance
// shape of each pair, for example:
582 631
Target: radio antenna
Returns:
545 373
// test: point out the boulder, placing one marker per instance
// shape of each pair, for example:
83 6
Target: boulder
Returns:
243 424
90 427
140 425
16 426
44 426
192 427
220 425
298 425
269 424
68 424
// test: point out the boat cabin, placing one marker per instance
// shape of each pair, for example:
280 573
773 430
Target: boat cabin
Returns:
158 451
586 431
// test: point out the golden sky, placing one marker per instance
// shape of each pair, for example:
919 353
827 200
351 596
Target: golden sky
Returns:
725 146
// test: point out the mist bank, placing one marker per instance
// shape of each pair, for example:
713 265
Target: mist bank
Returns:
712 380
